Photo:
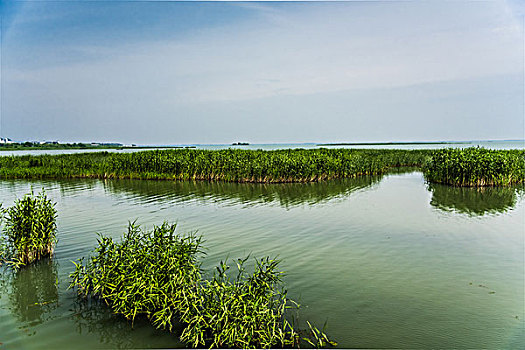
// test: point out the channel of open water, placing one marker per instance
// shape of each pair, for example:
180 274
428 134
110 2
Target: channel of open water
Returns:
387 262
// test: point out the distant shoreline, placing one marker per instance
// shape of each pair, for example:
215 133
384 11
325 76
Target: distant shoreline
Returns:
56 147
109 146
412 143
68 146
387 143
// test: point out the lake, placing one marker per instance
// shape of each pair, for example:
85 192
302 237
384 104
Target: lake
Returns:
386 261
509 144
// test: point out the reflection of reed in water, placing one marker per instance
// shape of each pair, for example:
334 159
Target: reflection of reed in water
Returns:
32 291
93 316
474 201
285 194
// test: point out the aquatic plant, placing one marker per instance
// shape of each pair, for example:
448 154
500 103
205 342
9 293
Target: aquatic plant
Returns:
458 167
148 273
476 167
248 311
232 165
30 229
157 274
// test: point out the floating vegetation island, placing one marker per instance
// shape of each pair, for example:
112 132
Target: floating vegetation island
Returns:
458 167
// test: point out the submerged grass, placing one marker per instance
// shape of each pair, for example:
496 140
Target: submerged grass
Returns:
157 274
29 230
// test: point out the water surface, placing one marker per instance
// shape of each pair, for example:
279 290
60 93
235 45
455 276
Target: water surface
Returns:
509 144
388 262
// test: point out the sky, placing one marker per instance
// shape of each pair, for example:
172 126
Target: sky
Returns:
166 72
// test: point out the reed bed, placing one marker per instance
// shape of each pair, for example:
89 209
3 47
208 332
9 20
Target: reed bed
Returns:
233 165
29 230
457 167
476 167
157 274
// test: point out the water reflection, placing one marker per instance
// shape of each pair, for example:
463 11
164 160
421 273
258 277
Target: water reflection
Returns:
474 201
285 195
419 260
94 317
66 188
32 291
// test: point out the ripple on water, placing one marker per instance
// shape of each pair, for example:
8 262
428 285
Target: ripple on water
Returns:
387 261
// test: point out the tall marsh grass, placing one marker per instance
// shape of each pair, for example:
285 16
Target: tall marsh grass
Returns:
233 165
458 167
29 230
157 274
476 167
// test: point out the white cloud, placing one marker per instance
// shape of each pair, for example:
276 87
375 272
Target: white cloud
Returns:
318 49
310 52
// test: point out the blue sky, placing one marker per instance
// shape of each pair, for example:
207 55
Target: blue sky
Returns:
219 72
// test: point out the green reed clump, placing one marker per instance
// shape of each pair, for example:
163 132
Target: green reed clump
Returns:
30 229
157 274
476 167
148 273
248 311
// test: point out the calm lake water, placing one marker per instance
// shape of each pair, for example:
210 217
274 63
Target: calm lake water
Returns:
387 262
513 144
